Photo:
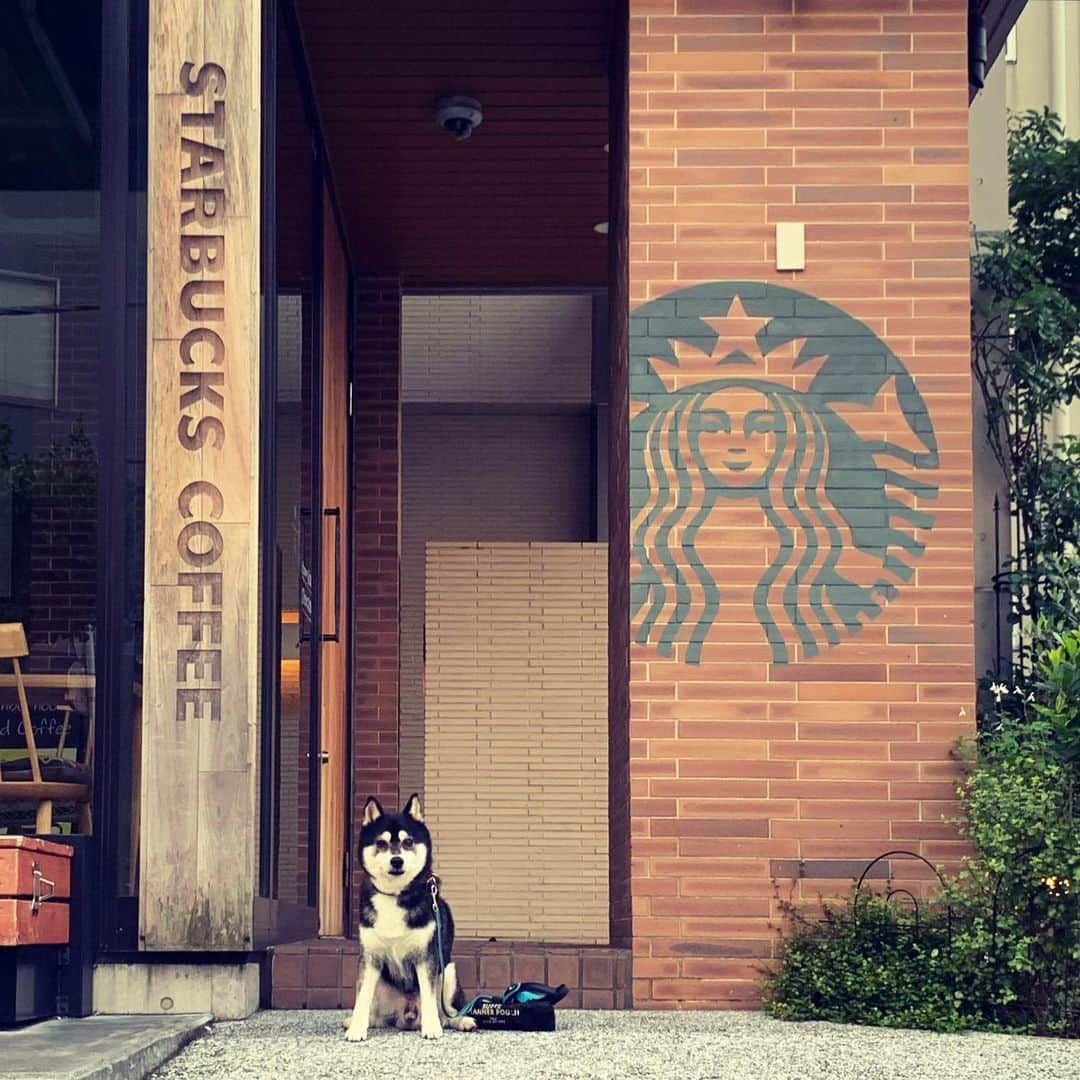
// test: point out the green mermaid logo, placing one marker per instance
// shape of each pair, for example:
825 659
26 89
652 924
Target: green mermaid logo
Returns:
778 449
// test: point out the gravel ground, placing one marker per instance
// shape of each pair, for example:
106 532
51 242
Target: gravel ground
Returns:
609 1045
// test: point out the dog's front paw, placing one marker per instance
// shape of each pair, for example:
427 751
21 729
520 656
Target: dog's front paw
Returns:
465 1023
356 1033
431 1031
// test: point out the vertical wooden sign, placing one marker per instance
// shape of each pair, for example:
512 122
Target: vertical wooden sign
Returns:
199 764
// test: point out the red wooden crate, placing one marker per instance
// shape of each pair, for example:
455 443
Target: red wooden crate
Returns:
20 923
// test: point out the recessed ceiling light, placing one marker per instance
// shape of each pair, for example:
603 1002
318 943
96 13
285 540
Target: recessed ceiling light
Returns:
601 227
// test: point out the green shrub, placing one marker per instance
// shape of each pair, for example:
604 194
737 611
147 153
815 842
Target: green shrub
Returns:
867 962
1017 939
1026 363
1008 959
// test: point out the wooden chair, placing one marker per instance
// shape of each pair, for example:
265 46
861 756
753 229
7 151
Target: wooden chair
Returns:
37 781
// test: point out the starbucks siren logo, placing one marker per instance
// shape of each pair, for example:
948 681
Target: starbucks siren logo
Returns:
750 394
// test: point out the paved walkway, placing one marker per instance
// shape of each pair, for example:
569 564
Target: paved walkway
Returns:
613 1045
97 1048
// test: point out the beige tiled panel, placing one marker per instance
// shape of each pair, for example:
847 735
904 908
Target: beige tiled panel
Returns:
509 349
462 479
516 721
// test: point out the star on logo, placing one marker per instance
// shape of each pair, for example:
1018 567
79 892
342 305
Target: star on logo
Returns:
737 335
737 344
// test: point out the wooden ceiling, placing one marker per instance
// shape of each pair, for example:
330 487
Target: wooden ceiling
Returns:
515 204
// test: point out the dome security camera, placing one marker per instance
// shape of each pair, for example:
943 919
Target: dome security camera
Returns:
458 115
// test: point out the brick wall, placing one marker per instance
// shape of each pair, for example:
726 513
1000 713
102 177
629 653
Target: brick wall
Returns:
618 482
62 584
770 737
375 547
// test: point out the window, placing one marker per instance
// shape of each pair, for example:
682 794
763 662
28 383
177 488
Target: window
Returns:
28 337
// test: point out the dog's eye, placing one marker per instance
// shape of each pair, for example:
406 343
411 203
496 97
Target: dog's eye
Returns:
381 845
407 844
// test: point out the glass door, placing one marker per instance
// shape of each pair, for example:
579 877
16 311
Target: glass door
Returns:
305 753
334 663
294 537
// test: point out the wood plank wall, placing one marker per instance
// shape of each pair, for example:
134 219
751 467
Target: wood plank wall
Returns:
199 766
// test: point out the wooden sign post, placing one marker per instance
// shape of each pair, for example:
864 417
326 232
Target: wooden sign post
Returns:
199 764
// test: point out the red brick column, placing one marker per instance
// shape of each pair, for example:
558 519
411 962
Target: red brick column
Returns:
619 867
376 532
756 776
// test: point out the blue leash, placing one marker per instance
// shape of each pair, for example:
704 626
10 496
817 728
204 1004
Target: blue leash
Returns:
438 922
433 884
523 995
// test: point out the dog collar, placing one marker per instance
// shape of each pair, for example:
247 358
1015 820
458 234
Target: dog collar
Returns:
431 882
381 893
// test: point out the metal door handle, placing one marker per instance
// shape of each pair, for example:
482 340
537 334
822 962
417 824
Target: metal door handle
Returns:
335 513
303 569
324 757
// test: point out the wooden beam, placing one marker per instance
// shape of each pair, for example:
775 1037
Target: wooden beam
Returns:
199 762
55 681
36 790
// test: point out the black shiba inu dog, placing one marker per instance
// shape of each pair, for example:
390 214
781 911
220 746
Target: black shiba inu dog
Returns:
404 981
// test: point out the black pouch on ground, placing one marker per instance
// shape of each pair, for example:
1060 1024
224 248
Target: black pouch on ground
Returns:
524 1007
536 1016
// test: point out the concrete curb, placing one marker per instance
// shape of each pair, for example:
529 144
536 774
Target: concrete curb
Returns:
97 1047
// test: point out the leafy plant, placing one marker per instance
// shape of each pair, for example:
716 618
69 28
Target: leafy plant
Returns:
1026 362
64 471
1009 958
69 461
1017 946
1057 704
867 962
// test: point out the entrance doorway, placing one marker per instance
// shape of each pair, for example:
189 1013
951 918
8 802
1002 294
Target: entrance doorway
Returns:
306 534
503 620
525 205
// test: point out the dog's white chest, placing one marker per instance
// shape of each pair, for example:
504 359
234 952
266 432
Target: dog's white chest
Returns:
391 937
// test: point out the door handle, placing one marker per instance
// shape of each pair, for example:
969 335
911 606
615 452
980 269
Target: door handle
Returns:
324 757
304 584
334 512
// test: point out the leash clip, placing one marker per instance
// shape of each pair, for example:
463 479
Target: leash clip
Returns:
433 885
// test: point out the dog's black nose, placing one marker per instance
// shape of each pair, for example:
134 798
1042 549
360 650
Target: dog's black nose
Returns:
397 862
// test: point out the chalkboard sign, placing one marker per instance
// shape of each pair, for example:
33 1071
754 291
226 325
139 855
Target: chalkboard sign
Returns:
47 721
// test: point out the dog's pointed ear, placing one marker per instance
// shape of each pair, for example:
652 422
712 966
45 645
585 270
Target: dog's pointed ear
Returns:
372 810
412 808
